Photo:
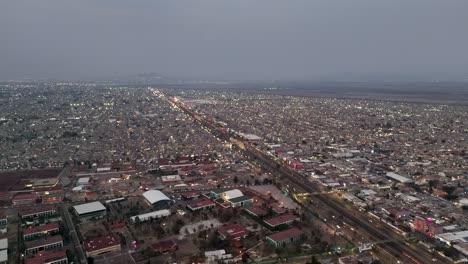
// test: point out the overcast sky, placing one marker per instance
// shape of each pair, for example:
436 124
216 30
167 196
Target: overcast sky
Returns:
233 39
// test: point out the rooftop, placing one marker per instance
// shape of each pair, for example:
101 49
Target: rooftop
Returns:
154 196
283 235
233 231
43 241
281 219
89 208
200 203
37 210
101 242
46 257
258 211
42 228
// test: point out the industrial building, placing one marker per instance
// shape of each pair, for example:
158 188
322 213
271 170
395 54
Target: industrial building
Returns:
88 210
156 198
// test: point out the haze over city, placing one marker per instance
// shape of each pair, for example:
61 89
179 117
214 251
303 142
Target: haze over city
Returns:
420 40
228 132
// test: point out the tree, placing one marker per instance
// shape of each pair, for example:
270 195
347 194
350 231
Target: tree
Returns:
245 257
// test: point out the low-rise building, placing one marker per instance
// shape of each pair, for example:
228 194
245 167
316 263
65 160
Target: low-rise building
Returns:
45 243
149 216
234 232
256 211
40 231
156 198
201 204
88 210
281 221
48 257
190 195
241 201
101 245
24 199
285 237
43 211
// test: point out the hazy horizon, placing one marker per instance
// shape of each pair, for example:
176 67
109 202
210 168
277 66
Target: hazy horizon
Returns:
235 40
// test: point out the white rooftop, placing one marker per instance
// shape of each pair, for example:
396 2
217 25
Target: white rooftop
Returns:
154 196
4 243
89 208
3 256
155 214
231 194
461 236
398 177
215 253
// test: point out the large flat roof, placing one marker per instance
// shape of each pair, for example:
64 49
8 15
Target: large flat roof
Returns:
461 236
398 177
89 208
154 196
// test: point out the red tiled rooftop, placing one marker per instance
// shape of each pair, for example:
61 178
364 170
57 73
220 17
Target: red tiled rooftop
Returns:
43 241
46 257
278 210
26 196
42 228
162 246
258 211
37 210
281 219
280 236
190 194
233 231
101 242
200 203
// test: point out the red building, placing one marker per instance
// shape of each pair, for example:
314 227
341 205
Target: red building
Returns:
201 204
39 231
235 232
164 246
278 221
190 195
101 245
24 199
48 257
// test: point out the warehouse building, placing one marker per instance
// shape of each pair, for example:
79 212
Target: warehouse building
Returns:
156 198
88 210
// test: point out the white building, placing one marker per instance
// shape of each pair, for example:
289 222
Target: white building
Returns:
149 216
94 209
155 197
83 181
